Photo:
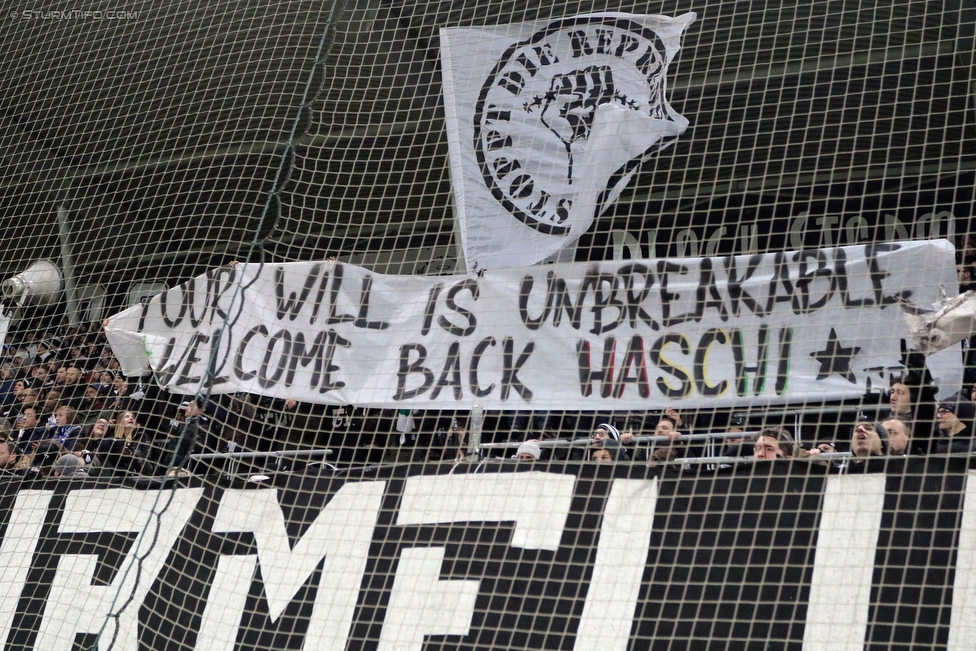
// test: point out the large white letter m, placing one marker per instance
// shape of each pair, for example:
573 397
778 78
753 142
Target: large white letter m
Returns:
342 533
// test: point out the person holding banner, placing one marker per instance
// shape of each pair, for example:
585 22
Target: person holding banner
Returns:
181 444
665 425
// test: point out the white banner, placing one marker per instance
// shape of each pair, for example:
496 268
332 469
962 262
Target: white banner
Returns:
744 330
548 121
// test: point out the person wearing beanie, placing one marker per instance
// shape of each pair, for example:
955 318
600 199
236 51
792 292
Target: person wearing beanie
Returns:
68 465
954 419
529 451
604 431
607 432
869 439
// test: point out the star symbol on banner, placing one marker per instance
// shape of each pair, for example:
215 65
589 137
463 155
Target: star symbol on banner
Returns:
835 359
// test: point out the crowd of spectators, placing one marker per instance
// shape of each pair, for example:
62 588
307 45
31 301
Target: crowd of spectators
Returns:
909 421
67 410
65 407
905 420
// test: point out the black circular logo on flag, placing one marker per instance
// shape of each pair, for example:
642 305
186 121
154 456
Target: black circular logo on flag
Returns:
536 110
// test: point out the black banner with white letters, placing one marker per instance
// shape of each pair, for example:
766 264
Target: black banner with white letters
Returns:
775 555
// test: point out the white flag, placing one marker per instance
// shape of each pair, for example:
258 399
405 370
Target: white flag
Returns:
547 123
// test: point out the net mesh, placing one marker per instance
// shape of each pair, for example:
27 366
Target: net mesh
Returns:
749 193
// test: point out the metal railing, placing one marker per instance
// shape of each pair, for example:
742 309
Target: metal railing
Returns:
232 460
710 439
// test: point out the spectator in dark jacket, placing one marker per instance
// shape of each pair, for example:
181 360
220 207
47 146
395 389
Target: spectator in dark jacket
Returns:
773 443
7 381
954 420
180 446
912 399
73 391
119 455
899 436
869 439
26 429
91 437
605 451
9 454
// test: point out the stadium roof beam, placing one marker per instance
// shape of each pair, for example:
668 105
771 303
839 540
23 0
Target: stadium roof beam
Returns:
226 248
812 66
919 173
801 67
